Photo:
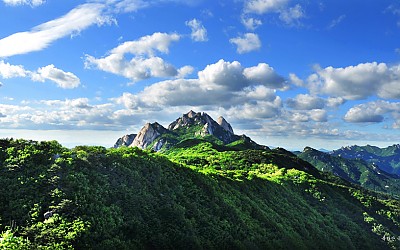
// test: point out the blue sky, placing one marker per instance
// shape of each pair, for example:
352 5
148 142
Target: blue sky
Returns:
287 73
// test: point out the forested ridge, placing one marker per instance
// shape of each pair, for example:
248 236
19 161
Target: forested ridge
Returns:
197 195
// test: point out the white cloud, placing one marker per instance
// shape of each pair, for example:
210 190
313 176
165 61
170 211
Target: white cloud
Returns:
249 42
221 84
40 37
144 64
287 14
335 102
374 112
126 6
294 79
185 71
291 15
357 82
318 115
32 3
263 6
147 45
199 32
49 72
306 102
65 80
265 75
223 75
250 23
10 71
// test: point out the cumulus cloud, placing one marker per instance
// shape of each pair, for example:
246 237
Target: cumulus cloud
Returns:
185 71
247 43
40 37
374 112
10 71
306 102
143 64
65 80
199 32
357 82
223 84
265 75
32 3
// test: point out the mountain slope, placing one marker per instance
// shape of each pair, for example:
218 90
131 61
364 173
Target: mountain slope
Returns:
354 170
193 197
387 159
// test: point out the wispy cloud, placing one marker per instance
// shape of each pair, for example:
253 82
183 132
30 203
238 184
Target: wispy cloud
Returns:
33 3
290 15
199 32
40 37
336 21
264 6
250 23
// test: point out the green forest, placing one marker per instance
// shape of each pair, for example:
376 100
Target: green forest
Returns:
195 195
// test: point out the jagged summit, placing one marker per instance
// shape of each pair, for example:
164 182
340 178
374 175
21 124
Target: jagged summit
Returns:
223 123
188 126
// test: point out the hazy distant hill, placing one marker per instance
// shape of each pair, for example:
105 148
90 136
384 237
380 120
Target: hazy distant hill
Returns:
357 171
387 159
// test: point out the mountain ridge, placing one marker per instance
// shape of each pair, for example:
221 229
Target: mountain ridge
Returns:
189 126
387 159
358 171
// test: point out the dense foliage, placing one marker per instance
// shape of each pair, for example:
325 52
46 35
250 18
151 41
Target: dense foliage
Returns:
194 196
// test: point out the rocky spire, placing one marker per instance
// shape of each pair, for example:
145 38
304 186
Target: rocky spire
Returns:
224 124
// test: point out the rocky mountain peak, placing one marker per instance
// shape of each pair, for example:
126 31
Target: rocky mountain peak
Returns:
148 134
191 114
189 125
224 124
189 119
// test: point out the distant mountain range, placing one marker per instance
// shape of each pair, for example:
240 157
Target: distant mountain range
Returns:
387 159
355 170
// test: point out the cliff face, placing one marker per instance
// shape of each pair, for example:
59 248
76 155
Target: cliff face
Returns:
125 140
147 135
190 125
224 124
